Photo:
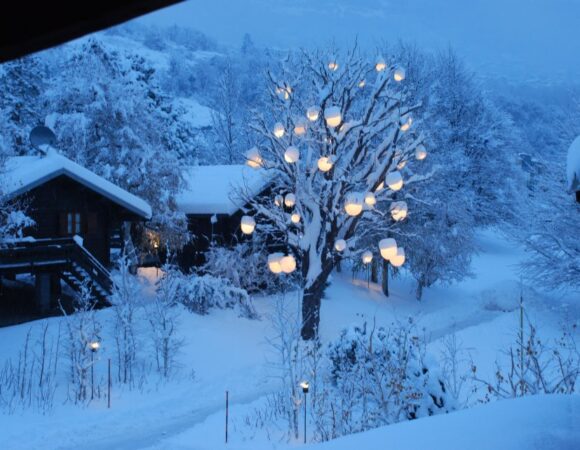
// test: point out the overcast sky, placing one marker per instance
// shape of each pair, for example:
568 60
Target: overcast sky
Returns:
523 39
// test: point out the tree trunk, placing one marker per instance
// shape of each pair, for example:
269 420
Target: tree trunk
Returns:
385 277
311 298
419 293
374 271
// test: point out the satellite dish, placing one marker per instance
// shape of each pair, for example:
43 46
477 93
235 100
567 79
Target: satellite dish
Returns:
41 136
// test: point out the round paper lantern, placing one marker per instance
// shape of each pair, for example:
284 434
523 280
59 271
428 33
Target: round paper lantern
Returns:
370 199
353 205
380 187
406 123
275 262
300 129
398 210
295 218
248 224
312 113
388 248
325 163
399 74
380 65
399 259
394 180
420 153
279 130
288 264
332 116
253 158
333 65
362 84
290 200
367 257
292 154
340 245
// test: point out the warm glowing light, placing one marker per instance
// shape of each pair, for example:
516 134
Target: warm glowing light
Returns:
279 130
275 262
380 65
290 200
394 180
305 386
278 200
253 158
300 129
312 113
420 153
353 205
340 245
288 264
399 210
292 155
367 257
388 248
325 163
399 74
401 165
333 65
295 218
332 116
399 259
362 84
248 224
380 187
94 346
406 123
370 199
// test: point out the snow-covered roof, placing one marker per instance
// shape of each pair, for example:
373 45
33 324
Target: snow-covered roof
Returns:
216 189
573 166
23 173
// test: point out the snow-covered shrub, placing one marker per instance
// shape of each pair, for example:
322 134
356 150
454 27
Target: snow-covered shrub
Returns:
202 293
243 265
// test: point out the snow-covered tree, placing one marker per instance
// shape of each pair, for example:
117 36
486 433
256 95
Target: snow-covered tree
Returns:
337 129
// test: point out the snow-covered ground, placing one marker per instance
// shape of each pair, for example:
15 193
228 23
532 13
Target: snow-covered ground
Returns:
226 352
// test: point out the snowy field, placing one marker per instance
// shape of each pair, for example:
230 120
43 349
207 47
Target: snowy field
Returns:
225 352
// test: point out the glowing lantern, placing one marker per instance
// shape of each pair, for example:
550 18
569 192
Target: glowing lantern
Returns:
394 180
399 259
388 248
401 165
295 218
333 65
353 205
279 130
284 92
367 257
312 113
278 200
406 123
370 199
362 84
420 153
380 187
300 129
290 200
399 74
332 116
292 154
248 224
94 346
380 65
325 163
399 210
253 158
340 245
288 264
275 262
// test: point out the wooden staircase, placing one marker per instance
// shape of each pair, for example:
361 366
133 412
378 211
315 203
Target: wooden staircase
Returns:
65 256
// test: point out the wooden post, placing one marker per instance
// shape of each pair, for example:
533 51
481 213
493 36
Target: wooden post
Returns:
227 413
109 387
375 271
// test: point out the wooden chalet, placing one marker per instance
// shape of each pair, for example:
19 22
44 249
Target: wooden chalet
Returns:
215 199
77 216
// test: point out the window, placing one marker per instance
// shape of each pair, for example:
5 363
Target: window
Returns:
73 223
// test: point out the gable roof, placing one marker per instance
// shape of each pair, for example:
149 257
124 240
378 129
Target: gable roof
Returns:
23 173
216 189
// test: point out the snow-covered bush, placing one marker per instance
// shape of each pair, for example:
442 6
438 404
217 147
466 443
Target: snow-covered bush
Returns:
202 293
243 266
